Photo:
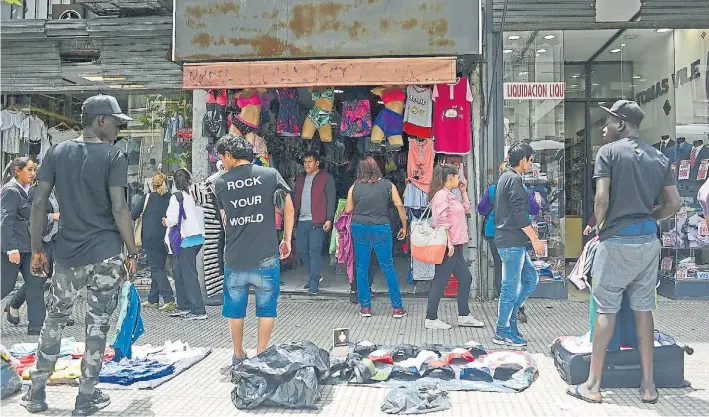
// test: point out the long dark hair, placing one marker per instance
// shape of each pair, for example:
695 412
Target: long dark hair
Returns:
11 169
440 176
183 180
368 171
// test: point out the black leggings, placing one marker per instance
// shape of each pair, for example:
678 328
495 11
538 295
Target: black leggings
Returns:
457 266
34 287
498 265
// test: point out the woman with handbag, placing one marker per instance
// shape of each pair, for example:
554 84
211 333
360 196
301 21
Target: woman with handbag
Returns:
368 199
16 247
185 236
150 233
450 213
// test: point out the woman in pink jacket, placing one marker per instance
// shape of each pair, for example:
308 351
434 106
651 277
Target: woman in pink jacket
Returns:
450 213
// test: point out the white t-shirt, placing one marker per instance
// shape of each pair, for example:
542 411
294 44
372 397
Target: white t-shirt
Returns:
59 136
419 106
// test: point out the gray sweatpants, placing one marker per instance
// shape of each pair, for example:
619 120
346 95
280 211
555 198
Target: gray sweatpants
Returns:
104 280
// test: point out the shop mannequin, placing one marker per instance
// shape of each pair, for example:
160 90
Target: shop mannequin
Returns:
664 143
390 120
320 115
247 121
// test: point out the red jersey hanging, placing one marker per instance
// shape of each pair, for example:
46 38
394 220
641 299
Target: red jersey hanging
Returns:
451 117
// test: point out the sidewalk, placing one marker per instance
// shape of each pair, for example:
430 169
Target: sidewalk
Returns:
200 391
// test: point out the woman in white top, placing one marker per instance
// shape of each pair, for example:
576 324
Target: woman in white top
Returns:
182 210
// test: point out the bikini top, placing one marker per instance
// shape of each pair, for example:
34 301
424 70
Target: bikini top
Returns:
220 99
395 94
254 100
328 93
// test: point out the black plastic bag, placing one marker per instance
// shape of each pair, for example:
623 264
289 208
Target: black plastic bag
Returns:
417 400
286 375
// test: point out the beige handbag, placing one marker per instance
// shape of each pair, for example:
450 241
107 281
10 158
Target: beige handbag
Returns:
138 227
428 245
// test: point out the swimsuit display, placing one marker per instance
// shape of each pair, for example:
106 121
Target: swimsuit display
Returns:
289 118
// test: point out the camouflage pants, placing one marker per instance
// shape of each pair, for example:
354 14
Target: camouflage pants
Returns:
104 280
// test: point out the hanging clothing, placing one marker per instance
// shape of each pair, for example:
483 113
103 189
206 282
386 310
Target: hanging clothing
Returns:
289 114
58 136
451 114
334 239
414 197
420 163
10 125
173 124
345 248
213 259
419 110
130 323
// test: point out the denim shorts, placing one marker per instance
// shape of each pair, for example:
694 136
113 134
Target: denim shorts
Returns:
266 280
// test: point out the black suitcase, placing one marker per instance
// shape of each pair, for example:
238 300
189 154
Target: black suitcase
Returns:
622 368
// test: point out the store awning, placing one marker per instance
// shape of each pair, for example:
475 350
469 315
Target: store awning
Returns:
320 72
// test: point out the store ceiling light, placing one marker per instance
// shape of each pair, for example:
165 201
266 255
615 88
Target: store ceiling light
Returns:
575 76
524 73
548 37
513 37
637 77
506 51
339 91
541 50
663 30
595 85
615 51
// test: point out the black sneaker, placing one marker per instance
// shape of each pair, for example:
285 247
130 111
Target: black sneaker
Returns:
35 401
89 404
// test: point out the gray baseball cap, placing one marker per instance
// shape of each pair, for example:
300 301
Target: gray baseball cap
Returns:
626 110
104 105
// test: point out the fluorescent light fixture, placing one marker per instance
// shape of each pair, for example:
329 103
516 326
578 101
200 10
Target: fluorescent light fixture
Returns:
506 51
524 73
339 91
513 37
615 51
637 77
595 85
573 86
548 37
575 76
92 78
541 50
663 30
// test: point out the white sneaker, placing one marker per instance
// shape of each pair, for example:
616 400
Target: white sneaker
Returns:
469 321
437 325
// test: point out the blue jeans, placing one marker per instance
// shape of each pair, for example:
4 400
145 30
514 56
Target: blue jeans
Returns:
378 236
265 278
308 246
519 279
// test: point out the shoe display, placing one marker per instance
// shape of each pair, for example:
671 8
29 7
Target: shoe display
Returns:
436 325
190 316
35 401
179 313
89 404
365 312
399 313
469 321
168 307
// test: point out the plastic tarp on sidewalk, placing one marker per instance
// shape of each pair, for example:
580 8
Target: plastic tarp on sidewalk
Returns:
285 375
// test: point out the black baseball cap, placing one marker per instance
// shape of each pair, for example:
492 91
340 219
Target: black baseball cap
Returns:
626 110
104 105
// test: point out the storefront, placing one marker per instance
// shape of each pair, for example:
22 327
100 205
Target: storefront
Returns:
660 63
334 74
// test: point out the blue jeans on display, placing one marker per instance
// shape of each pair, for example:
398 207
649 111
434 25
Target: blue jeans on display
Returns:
519 279
380 238
308 246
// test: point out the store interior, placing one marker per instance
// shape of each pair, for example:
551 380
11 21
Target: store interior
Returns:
665 71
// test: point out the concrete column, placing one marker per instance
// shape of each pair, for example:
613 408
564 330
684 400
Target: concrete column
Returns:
200 158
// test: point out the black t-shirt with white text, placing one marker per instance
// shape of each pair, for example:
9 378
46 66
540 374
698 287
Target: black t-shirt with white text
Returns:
82 173
246 200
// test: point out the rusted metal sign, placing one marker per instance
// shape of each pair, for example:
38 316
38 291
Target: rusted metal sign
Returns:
225 30
321 72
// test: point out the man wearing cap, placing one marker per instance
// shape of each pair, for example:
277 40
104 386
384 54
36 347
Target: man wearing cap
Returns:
90 176
630 176
246 196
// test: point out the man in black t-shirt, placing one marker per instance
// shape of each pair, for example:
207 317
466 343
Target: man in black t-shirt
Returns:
246 199
90 176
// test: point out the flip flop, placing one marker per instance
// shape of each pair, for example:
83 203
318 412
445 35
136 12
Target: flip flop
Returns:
653 401
576 394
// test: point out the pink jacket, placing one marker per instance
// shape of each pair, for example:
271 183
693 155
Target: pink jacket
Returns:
450 213
345 246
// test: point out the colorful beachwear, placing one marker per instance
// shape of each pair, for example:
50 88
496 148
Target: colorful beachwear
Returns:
242 125
319 117
356 118
328 93
451 112
419 109
289 117
390 122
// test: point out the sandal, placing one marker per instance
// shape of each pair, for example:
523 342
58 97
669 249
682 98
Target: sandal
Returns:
576 394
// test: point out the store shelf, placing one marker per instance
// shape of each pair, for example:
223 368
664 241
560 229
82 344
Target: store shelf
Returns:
686 289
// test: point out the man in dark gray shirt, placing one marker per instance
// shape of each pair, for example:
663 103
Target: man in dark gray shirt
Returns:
630 176
90 176
513 229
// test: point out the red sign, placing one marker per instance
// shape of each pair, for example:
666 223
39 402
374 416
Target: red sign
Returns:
684 169
535 91
703 166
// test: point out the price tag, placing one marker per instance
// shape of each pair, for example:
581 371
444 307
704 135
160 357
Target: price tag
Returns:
703 166
703 229
668 240
673 166
666 264
684 169
681 274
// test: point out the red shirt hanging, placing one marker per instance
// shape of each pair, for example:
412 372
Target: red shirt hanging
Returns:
451 117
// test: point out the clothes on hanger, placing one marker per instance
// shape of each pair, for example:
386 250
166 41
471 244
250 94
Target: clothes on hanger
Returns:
419 111
451 117
173 124
420 163
10 126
